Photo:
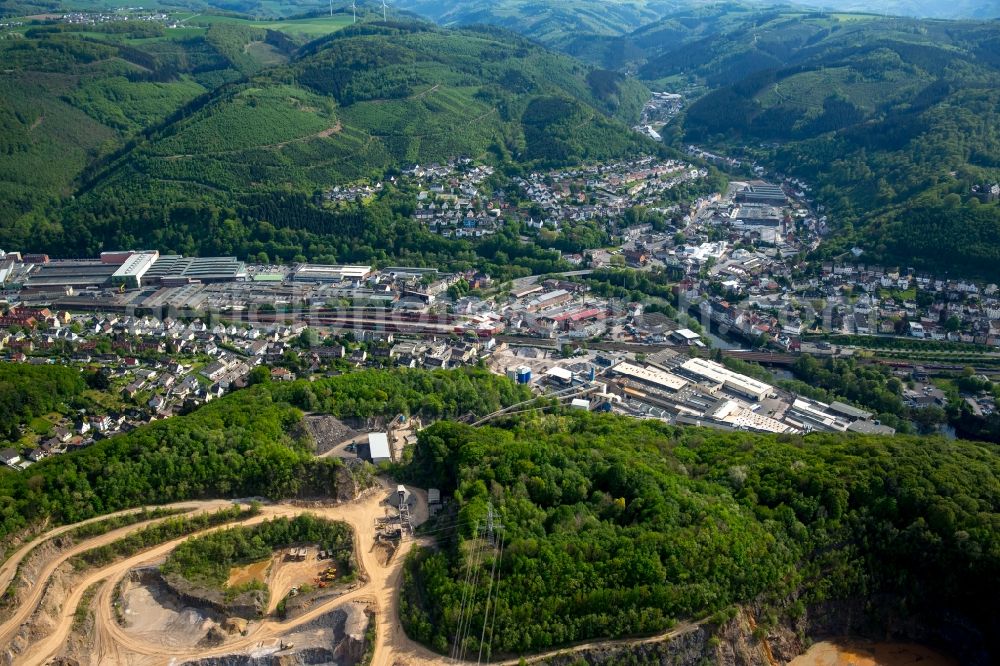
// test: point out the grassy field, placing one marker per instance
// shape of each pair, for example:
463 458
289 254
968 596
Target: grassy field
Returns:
307 28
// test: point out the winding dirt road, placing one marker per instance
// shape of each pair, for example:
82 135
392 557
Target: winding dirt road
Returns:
114 645
27 606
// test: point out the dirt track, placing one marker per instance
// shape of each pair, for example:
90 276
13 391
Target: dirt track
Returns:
114 645
27 606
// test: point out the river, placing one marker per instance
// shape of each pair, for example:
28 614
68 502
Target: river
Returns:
864 653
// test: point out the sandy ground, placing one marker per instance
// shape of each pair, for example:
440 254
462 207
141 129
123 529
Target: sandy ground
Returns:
163 633
248 572
154 617
28 604
828 653
114 644
286 574
9 566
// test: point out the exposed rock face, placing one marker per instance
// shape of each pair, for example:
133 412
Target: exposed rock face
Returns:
334 639
690 648
742 642
303 657
732 644
44 618
881 618
249 604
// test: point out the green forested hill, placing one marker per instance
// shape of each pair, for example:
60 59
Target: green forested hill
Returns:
892 120
947 9
64 100
69 96
554 23
350 105
248 443
614 527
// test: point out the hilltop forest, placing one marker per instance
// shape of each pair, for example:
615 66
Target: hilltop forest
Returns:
219 137
615 527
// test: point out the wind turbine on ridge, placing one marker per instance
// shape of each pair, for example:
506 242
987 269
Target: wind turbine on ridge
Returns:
383 10
354 8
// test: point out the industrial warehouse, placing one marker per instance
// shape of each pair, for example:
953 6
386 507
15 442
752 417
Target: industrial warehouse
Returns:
672 386
697 391
133 270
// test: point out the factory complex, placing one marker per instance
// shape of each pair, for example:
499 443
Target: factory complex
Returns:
129 270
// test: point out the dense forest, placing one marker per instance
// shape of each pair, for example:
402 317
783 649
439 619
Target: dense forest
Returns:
248 443
235 447
614 527
433 394
27 391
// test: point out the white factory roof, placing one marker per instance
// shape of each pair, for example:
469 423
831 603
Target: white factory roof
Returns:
686 333
378 445
307 272
722 375
580 403
815 411
739 416
559 373
137 264
651 376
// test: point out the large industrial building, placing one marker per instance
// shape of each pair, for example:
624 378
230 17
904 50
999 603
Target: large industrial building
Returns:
696 391
650 376
761 192
74 274
329 273
173 269
132 271
757 215
721 376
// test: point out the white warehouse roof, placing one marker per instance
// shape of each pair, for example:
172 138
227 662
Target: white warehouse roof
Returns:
653 376
378 445
561 374
733 381
137 264
686 333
